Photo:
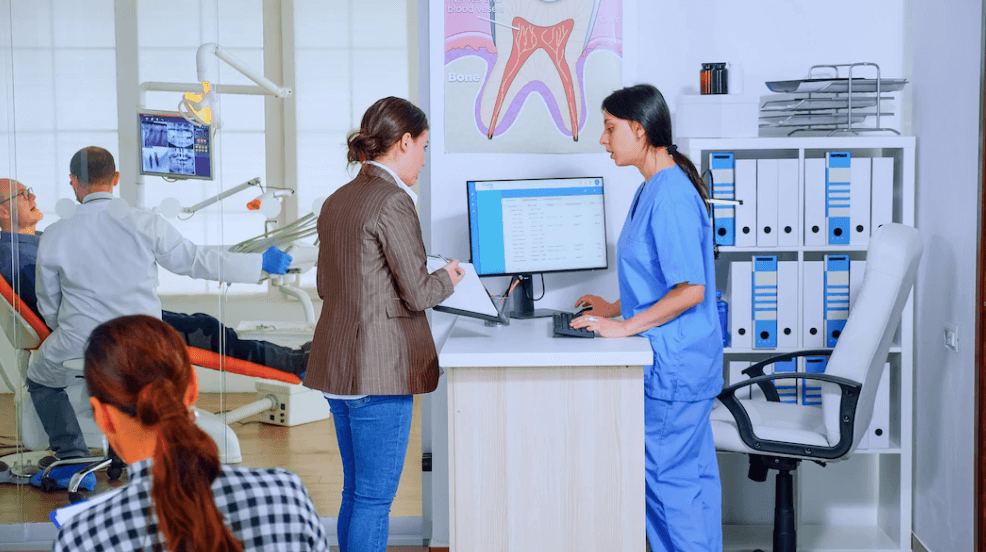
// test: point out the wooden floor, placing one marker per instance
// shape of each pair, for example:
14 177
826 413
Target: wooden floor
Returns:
310 450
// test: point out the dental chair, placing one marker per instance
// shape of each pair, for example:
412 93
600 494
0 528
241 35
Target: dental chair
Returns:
26 331
779 436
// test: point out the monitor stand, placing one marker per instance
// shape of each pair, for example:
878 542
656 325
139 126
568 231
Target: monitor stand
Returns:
523 300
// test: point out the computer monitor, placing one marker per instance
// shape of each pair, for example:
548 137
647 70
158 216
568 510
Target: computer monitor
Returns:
521 227
174 147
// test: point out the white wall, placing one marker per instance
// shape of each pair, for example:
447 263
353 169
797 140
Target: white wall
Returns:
664 44
946 63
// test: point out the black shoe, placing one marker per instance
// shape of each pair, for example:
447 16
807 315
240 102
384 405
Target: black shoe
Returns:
47 461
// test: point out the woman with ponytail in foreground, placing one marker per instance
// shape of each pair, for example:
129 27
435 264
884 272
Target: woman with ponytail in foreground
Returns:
667 294
179 498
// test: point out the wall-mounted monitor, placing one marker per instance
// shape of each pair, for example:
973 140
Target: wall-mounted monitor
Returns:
173 147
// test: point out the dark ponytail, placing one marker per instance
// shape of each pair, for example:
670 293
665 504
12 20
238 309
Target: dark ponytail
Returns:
645 105
383 125
140 365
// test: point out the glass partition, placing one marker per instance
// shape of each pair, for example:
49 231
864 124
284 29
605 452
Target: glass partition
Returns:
69 84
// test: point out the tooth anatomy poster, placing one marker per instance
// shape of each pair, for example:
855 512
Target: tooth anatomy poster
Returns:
529 76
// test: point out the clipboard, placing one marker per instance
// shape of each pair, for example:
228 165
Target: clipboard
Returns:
470 297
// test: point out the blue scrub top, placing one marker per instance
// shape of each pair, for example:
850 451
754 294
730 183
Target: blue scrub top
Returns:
665 241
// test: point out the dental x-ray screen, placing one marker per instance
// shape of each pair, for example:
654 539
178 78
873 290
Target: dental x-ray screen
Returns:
174 147
530 226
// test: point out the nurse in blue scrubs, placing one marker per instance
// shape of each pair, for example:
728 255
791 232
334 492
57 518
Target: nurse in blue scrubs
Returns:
667 294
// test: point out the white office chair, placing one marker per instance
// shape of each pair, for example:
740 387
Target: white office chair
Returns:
778 435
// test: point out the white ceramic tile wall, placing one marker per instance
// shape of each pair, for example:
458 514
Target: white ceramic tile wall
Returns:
320 24
323 103
171 24
167 65
28 148
379 24
83 24
34 86
240 23
85 91
377 73
33 26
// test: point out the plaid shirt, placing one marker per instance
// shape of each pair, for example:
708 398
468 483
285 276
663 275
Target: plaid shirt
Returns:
266 509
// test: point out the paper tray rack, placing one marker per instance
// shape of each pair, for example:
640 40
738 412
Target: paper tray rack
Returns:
833 104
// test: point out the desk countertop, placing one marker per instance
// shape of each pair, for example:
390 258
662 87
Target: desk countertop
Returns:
471 344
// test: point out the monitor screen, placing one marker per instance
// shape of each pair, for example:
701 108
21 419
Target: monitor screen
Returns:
172 146
543 225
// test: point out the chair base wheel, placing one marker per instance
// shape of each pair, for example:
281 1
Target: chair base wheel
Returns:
75 497
48 484
114 472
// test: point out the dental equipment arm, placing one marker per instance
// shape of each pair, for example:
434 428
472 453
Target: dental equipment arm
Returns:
202 108
221 196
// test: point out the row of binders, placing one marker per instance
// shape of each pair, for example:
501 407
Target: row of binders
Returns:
809 393
763 301
845 197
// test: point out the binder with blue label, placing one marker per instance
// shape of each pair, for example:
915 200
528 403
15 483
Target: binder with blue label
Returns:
765 302
811 391
787 389
836 297
837 191
724 187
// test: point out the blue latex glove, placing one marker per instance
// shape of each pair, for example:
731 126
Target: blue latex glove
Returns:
276 261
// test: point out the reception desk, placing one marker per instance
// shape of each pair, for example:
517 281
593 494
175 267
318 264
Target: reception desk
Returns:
546 439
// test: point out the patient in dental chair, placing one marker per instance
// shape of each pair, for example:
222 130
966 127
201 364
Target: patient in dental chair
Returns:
19 217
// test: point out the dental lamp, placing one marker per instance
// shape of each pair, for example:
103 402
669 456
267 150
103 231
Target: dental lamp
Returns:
203 108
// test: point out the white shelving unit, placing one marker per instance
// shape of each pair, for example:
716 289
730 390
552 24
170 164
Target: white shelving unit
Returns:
864 503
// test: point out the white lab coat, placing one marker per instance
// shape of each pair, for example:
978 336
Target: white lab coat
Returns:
102 263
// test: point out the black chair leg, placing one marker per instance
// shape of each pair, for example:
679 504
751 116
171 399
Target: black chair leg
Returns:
785 534
785 531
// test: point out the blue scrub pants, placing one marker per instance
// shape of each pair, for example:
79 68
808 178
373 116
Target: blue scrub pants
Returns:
684 496
373 432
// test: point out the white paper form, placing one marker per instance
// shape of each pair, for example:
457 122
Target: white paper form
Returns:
470 297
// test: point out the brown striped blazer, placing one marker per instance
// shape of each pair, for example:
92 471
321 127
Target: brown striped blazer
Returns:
372 336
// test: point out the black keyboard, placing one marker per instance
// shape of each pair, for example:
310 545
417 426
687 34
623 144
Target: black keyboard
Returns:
562 325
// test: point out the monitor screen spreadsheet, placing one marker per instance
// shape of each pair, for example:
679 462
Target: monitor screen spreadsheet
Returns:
537 225
174 147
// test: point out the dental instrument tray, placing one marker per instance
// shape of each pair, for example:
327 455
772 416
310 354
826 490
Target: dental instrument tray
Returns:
834 98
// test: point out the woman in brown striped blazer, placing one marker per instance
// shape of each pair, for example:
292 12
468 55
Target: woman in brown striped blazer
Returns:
373 348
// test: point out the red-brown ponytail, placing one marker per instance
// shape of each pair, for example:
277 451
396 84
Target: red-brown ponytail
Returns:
140 365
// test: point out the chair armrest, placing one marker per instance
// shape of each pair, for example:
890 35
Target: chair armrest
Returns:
767 387
847 415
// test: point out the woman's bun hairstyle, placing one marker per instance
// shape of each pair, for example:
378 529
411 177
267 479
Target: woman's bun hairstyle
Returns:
383 125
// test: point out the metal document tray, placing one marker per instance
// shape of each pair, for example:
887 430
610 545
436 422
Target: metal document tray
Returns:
836 85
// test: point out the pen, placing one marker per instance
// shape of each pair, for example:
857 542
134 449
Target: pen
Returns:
512 286
438 256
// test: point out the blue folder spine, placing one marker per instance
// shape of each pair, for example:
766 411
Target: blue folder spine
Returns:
787 389
724 187
837 186
836 297
811 392
765 302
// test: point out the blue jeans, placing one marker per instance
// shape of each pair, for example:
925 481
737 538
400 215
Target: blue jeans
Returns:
372 433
